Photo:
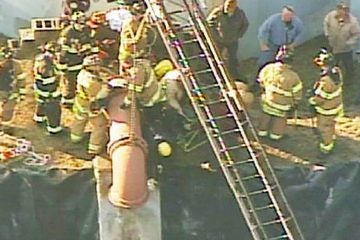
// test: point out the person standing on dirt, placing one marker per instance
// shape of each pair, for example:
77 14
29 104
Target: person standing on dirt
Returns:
327 100
279 29
12 85
89 106
134 37
75 42
47 90
342 30
281 92
229 23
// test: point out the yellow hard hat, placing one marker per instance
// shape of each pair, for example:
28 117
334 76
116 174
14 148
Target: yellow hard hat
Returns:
164 149
162 68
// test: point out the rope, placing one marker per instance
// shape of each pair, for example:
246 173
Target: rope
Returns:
134 37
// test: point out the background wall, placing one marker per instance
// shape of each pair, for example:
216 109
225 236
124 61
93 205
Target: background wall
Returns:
15 14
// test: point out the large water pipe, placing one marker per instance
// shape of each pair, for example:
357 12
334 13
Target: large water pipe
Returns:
128 154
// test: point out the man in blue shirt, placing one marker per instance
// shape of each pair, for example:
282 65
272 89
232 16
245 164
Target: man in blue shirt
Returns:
279 29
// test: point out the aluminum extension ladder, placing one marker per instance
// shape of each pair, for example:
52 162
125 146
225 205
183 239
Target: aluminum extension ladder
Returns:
230 133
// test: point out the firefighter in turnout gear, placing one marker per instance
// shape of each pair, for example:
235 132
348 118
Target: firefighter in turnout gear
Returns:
282 89
327 100
76 43
133 37
12 85
47 90
71 6
89 106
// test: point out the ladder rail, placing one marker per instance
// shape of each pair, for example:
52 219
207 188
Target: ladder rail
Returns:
244 135
204 124
230 171
223 146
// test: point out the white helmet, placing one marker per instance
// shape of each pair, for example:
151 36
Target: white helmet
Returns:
91 60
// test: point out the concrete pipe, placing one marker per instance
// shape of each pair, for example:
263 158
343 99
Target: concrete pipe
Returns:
129 171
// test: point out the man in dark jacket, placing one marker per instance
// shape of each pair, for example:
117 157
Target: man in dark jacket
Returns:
228 23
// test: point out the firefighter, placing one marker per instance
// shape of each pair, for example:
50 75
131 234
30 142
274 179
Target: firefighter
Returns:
327 100
46 89
133 37
90 101
106 39
12 85
282 90
75 42
71 6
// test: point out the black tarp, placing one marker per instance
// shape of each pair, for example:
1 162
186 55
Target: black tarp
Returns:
41 204
198 205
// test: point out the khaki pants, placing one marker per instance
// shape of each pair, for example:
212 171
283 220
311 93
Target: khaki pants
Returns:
7 107
98 136
273 126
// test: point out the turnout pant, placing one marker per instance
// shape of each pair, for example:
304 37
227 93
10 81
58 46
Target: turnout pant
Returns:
271 125
69 86
50 111
326 128
98 135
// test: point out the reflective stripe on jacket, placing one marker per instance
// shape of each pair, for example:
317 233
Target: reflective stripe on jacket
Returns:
282 88
327 98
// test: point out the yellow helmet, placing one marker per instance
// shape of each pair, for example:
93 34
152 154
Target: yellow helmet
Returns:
164 149
162 68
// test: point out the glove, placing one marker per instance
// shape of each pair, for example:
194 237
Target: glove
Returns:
125 104
95 106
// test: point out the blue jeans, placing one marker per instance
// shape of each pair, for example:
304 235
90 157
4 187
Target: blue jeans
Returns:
266 57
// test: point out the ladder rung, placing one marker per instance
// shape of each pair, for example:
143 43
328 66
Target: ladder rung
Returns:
207 70
194 40
207 87
201 55
220 117
280 237
250 177
244 122
223 133
270 222
263 208
231 148
215 102
265 190
183 27
240 162
273 222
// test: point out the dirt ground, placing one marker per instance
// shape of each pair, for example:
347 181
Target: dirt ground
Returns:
300 147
